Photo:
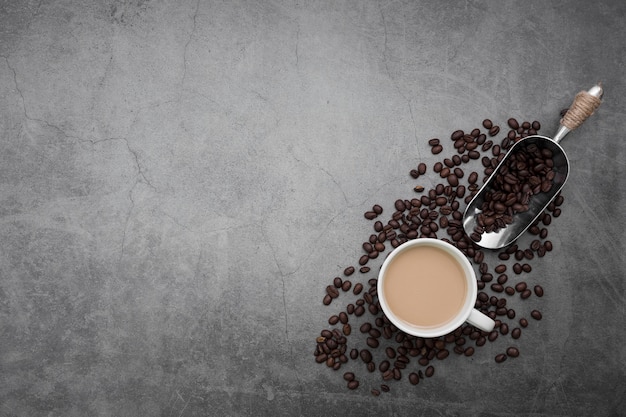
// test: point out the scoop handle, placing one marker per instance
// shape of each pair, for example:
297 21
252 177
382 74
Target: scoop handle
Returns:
584 105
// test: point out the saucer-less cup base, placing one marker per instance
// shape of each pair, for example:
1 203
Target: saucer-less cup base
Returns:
467 313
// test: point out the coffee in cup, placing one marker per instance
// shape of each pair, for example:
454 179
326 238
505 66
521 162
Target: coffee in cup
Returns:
427 288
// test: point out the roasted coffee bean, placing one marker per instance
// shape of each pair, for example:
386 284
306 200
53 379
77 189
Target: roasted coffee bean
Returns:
367 247
327 299
501 357
372 342
354 354
523 322
331 343
457 134
390 352
369 299
442 354
487 124
430 371
493 335
353 384
327 334
538 291
536 314
436 149
332 291
343 317
500 268
517 268
414 378
494 130
520 286
346 285
358 287
332 320
513 124
512 352
348 271
516 333
370 215
497 288
359 311
337 282
526 294
349 376
366 355
321 358
373 309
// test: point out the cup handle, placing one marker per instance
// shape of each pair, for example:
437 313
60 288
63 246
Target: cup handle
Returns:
478 319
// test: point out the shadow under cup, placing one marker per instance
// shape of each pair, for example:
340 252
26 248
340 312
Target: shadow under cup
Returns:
427 288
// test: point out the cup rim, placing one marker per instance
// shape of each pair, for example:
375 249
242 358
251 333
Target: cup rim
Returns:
462 315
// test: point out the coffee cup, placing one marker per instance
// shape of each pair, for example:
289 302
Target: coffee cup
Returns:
427 288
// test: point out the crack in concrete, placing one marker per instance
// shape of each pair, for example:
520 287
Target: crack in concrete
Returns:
140 176
127 221
332 178
19 91
392 78
297 46
186 48
284 299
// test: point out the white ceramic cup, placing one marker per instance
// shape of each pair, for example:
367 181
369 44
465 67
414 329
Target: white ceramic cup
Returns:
467 313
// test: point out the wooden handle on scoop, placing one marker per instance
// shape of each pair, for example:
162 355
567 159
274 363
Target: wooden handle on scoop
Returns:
584 105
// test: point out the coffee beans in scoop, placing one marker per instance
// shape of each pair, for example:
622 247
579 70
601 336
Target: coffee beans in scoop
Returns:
361 337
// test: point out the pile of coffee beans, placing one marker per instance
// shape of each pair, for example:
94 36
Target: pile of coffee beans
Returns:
360 333
528 170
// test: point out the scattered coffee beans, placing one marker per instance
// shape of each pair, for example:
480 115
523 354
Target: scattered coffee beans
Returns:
437 213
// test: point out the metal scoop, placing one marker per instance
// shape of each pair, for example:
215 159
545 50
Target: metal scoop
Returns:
504 233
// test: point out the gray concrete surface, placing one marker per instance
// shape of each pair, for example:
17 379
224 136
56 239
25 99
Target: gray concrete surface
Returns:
180 180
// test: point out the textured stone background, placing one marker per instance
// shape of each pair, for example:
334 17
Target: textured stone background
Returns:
179 181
